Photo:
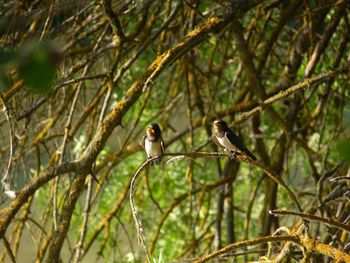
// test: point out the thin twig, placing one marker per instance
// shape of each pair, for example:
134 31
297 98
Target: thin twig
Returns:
9 250
79 79
67 128
245 243
138 223
325 76
338 178
5 178
48 20
243 158
113 18
328 221
83 230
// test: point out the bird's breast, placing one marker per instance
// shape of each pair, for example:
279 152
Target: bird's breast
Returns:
226 143
153 149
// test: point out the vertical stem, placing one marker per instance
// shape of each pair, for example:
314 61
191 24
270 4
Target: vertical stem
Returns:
5 179
83 230
138 224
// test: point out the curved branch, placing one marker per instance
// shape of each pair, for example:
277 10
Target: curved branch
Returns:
5 179
178 199
306 83
282 94
8 213
195 37
310 244
83 164
234 246
138 223
243 158
238 156
328 221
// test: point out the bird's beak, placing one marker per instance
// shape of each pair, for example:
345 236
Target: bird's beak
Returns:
216 127
150 131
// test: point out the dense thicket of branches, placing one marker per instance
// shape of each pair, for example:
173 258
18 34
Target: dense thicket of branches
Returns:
81 80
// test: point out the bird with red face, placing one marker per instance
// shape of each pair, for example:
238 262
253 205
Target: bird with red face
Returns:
153 143
223 136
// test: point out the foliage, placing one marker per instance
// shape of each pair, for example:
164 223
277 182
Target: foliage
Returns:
80 82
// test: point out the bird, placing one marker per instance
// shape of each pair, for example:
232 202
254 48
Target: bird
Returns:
225 137
153 143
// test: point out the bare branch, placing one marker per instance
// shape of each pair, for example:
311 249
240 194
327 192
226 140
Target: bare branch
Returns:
328 221
138 224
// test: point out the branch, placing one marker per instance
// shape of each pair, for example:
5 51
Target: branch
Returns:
138 223
84 225
178 199
113 19
306 83
60 234
234 246
198 35
328 221
243 158
5 179
282 94
192 39
9 250
310 244
8 213
340 178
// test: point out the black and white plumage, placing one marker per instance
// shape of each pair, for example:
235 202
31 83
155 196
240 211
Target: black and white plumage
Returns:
225 137
153 143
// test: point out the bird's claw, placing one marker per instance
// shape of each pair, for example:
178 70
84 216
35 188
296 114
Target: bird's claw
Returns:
156 160
232 155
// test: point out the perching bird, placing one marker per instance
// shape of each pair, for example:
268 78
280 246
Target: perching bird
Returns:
153 143
225 137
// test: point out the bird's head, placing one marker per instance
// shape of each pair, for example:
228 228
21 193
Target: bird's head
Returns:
219 125
153 130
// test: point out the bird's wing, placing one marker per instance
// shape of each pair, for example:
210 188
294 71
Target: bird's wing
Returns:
238 143
235 140
142 141
215 140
